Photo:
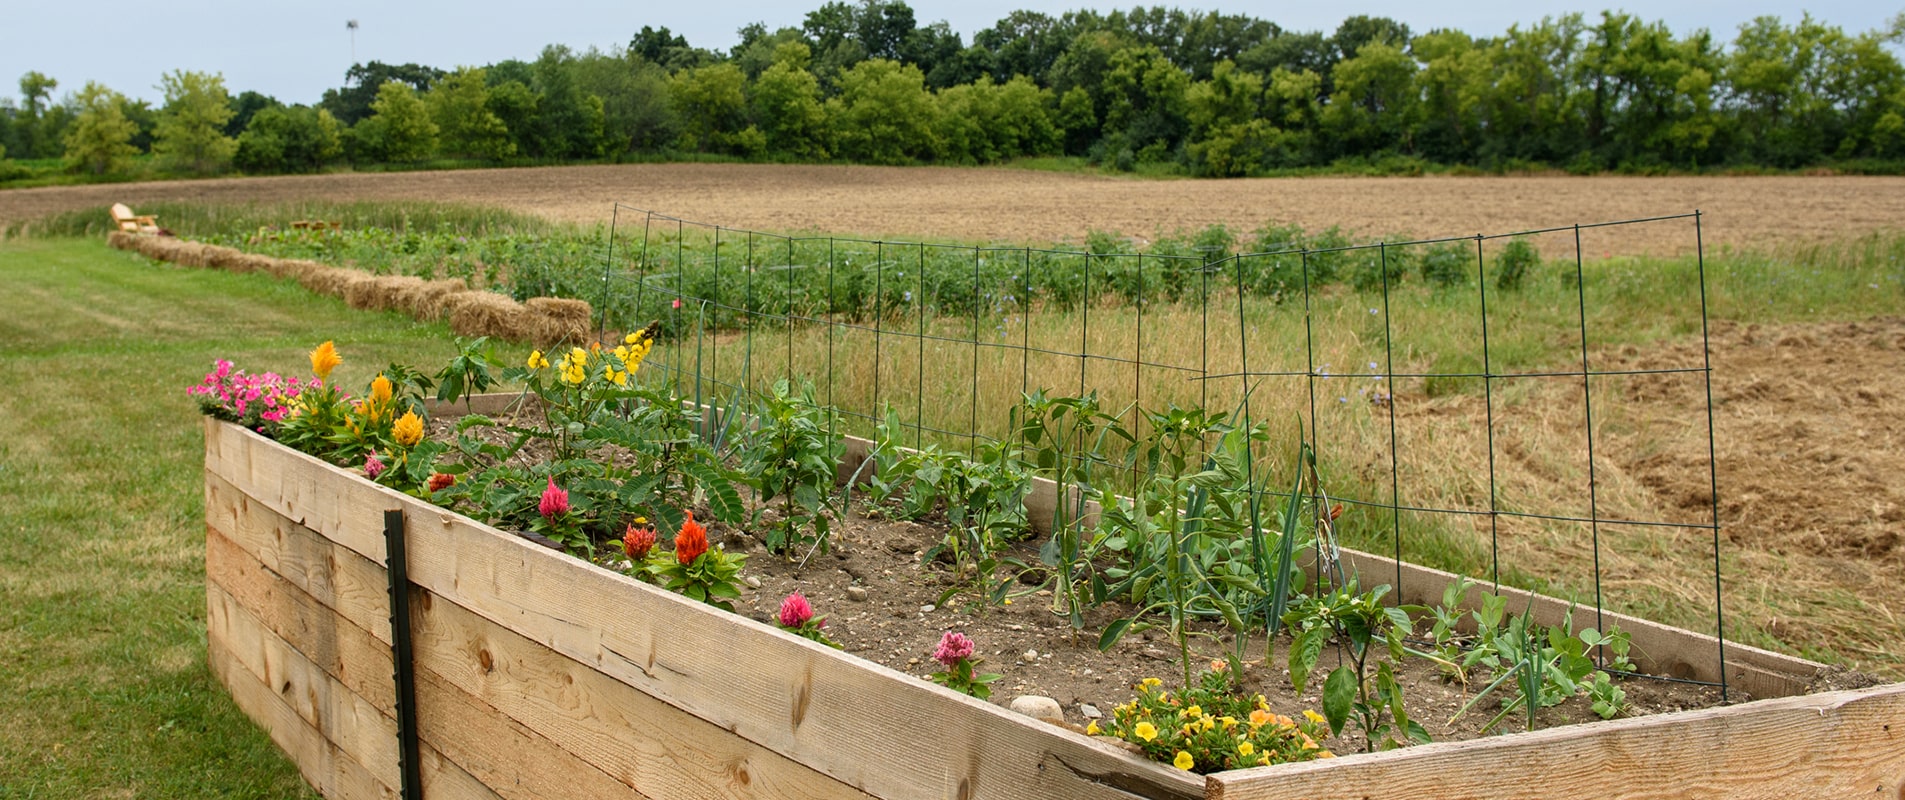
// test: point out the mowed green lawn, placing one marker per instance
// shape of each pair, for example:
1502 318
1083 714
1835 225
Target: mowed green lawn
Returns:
104 688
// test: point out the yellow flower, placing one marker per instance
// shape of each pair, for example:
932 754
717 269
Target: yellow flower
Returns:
1092 729
408 429
1259 718
324 359
1183 761
1194 712
380 390
1146 731
573 373
1152 683
1265 761
1326 754
1246 749
1313 717
1209 723
537 360
1229 722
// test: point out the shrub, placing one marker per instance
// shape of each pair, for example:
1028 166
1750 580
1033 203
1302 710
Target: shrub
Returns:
1512 263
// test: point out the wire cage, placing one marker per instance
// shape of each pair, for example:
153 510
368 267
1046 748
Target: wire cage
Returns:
1461 393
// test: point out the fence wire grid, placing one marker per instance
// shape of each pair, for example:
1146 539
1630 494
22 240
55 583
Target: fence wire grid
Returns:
1418 368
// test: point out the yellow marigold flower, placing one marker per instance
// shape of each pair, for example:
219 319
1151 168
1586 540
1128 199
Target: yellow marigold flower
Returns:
1229 722
1246 749
380 390
1259 718
1209 723
1311 715
1152 683
1146 731
324 359
408 429
1194 711
1183 761
537 360
1092 729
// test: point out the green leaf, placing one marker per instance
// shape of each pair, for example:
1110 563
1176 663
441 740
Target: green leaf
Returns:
1339 695
1113 632
1303 654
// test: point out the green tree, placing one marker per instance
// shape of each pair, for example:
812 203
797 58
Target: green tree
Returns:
362 82
244 105
1375 107
883 114
517 106
36 92
99 140
289 139
466 127
190 135
787 107
635 112
711 104
399 125
569 120
1144 104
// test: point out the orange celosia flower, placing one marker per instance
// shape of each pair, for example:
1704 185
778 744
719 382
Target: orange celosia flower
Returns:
324 359
691 542
380 390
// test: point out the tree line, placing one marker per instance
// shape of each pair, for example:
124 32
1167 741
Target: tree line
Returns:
1203 93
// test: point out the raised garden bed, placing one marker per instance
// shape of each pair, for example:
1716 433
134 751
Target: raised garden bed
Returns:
542 675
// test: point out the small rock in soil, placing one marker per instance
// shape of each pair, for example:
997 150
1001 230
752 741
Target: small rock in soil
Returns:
1038 707
857 593
926 609
1031 655
1090 711
753 582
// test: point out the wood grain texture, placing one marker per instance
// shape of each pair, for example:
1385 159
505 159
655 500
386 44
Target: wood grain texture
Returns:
784 693
355 744
504 695
1837 744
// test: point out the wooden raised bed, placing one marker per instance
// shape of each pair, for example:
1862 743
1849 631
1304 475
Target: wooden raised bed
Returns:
540 675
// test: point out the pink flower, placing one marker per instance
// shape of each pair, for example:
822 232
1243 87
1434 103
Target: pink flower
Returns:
373 467
554 501
795 611
953 648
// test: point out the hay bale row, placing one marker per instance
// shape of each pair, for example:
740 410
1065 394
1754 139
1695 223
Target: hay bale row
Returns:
543 321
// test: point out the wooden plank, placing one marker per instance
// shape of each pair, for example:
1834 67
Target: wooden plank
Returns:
482 745
634 737
347 725
787 694
331 772
1836 744
308 561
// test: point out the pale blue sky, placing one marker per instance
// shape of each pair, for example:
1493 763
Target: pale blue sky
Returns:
294 51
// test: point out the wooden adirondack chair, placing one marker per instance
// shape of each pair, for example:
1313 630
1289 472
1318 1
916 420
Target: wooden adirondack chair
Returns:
133 223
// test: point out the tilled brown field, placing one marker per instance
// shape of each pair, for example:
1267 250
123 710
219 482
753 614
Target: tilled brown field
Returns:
1023 206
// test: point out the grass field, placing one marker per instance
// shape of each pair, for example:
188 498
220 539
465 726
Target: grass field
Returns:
104 689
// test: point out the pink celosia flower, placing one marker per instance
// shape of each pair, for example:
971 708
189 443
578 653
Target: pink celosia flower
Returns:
554 501
953 647
373 467
795 611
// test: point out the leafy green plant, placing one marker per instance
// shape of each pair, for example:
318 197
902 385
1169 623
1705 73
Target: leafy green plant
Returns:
1548 666
793 453
470 372
1513 262
1065 438
1362 623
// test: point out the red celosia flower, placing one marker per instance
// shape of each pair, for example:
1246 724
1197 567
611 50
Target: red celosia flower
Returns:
952 648
554 501
691 542
795 611
373 467
441 480
637 541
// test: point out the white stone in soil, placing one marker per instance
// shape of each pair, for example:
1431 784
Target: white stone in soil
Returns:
1090 711
1038 707
857 593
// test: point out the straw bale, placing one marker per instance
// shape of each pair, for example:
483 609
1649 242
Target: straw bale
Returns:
252 262
555 320
359 290
226 258
122 240
424 300
381 293
327 280
488 314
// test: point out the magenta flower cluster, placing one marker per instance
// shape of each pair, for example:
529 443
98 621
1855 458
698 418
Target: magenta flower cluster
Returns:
953 648
245 398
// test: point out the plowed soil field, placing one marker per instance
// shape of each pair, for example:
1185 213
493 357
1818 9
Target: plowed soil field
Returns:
1023 206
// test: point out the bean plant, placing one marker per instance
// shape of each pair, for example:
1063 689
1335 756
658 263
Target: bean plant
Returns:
793 453
1066 438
